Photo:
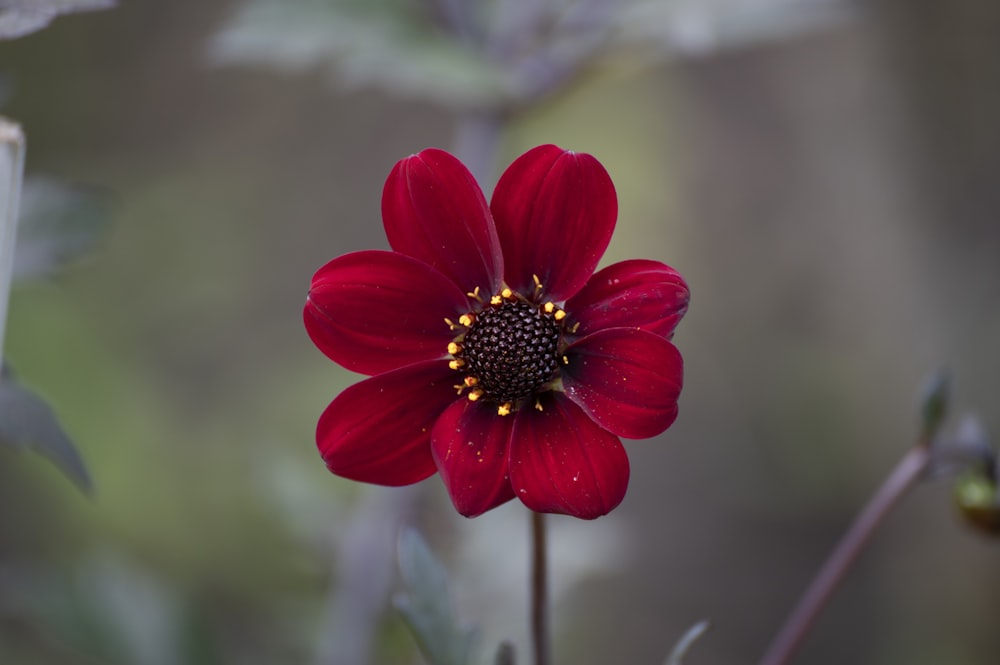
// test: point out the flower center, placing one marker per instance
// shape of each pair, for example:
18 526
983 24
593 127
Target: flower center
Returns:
509 351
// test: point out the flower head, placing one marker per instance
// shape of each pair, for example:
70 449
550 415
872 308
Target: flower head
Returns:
497 356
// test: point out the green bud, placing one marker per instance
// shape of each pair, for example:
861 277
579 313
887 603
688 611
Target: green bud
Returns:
979 501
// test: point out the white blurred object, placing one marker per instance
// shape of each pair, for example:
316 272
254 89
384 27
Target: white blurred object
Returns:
12 149
23 17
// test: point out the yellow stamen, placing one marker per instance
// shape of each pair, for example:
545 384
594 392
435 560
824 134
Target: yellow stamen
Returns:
538 405
456 364
565 360
496 300
471 381
504 409
475 394
538 282
559 315
507 293
467 319
574 327
549 307
453 348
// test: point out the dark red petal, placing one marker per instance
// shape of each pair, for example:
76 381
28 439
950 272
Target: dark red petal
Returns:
434 211
469 443
555 211
561 461
374 311
631 294
627 380
379 431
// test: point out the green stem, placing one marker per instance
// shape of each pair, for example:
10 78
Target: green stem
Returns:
826 582
11 174
539 590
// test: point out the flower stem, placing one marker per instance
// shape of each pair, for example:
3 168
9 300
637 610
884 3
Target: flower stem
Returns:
539 590
826 582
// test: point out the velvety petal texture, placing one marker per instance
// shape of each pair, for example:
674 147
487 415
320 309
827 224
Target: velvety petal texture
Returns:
502 392
374 311
379 431
469 444
561 461
434 211
555 211
627 380
631 294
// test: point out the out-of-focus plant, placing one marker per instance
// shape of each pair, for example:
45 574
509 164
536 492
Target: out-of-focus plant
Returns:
493 53
56 223
23 17
489 59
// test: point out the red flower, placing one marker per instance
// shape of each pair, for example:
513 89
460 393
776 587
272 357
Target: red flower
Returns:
497 356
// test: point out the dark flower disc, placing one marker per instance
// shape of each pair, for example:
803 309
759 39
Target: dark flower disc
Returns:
511 350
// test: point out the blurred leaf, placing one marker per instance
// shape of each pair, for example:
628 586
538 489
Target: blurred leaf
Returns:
136 610
934 403
391 44
58 223
505 654
425 606
26 421
683 645
22 17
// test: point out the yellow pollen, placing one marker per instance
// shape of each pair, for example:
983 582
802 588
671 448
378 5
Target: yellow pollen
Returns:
496 300
453 348
504 409
456 364
467 319
549 307
559 315
507 293
538 282
475 394
538 405
471 381
565 360
574 327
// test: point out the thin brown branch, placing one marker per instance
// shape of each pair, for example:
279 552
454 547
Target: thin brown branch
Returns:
830 576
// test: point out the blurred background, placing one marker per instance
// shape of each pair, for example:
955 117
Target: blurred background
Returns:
824 174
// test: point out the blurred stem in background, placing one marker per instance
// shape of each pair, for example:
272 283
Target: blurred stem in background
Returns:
914 465
821 590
